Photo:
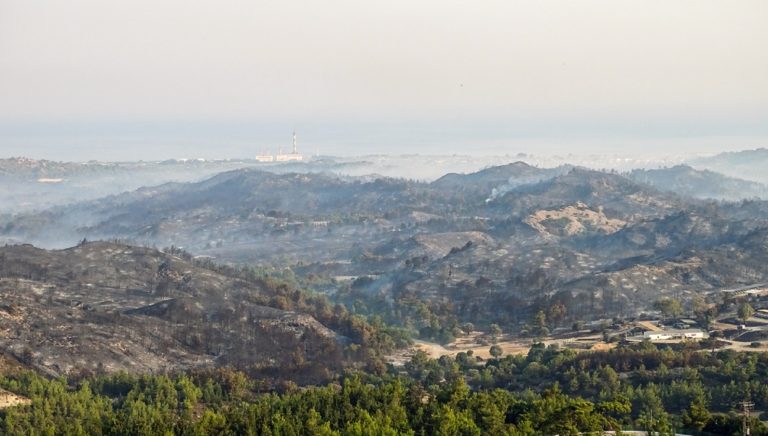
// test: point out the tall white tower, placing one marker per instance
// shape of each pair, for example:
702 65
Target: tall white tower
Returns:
293 156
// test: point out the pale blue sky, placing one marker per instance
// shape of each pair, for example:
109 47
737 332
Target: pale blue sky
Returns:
144 79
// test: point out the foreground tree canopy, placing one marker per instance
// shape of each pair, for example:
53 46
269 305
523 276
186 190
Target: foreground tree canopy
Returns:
549 391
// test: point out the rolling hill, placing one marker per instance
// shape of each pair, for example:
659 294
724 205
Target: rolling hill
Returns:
109 307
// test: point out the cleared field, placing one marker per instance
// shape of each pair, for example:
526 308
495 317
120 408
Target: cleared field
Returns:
509 346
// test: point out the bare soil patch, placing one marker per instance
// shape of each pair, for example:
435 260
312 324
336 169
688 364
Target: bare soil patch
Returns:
9 399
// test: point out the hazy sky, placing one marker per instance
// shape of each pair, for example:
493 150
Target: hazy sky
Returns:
137 79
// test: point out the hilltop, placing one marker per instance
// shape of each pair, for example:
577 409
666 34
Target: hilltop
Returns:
690 182
746 164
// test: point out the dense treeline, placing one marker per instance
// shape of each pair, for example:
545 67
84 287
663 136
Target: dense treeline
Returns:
640 386
549 391
123 404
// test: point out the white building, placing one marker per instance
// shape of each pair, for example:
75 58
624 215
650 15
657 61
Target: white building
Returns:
288 157
664 335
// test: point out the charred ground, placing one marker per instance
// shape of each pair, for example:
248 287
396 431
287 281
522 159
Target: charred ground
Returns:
496 246
104 307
